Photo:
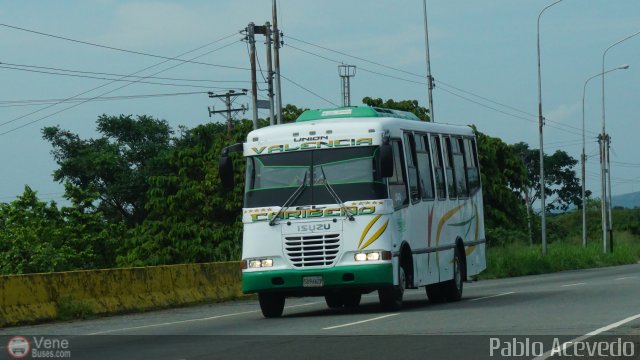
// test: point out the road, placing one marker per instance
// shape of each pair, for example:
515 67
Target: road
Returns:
564 305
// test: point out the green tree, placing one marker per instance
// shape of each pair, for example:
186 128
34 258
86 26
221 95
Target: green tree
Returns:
290 113
503 177
36 236
562 186
117 165
404 105
191 218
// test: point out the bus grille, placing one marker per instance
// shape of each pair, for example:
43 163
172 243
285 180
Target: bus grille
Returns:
312 250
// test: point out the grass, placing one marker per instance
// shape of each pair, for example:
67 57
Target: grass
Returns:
518 259
70 308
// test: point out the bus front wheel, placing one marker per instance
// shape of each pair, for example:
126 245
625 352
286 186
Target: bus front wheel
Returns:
271 305
391 297
352 299
334 300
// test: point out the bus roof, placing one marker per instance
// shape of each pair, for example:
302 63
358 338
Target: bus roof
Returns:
354 112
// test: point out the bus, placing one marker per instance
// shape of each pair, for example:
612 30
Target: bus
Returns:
352 200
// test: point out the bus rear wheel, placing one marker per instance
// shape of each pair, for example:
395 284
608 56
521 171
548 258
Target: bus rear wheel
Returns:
435 293
271 305
453 288
450 290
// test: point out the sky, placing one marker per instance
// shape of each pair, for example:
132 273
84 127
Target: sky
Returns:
483 58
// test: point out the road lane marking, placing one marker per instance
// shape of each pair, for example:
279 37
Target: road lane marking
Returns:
171 323
576 284
190 320
299 305
624 278
492 296
360 322
570 343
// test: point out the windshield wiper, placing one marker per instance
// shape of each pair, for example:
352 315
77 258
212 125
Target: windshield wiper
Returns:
296 194
335 196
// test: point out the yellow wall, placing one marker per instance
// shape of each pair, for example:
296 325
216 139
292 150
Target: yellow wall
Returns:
35 297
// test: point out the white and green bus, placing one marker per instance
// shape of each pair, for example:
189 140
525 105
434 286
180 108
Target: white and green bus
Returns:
352 200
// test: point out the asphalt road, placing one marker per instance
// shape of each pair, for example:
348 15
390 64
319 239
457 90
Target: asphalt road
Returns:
604 303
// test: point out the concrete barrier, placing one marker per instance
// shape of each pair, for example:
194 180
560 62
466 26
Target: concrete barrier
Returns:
39 297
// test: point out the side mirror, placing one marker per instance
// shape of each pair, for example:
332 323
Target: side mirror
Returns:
386 160
225 165
225 169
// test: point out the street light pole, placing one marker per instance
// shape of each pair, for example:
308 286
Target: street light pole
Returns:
584 156
604 169
429 77
540 126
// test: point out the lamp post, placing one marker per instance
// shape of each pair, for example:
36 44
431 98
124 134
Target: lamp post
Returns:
540 126
429 77
584 156
604 169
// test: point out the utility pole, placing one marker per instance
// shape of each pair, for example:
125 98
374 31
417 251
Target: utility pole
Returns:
276 59
609 198
601 142
251 37
267 34
346 73
228 98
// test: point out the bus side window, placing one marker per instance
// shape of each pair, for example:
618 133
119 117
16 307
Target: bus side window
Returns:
398 182
439 167
410 151
471 164
424 167
448 163
459 168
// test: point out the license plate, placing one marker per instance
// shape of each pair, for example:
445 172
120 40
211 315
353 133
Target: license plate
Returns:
312 281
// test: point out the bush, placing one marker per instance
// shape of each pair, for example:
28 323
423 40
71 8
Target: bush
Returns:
501 237
518 259
70 308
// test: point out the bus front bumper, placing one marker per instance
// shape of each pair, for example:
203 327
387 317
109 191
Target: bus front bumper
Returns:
366 277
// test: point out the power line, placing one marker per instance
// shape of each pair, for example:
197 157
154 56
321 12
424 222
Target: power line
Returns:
424 83
125 50
625 163
307 90
355 57
486 99
17 103
359 67
121 75
109 83
139 81
506 113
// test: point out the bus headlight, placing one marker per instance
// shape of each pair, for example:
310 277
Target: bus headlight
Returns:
372 256
258 263
266 263
361 256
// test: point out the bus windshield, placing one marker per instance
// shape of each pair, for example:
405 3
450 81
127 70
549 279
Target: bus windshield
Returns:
352 172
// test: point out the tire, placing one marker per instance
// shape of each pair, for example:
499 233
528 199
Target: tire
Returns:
391 297
351 299
435 293
271 305
334 300
452 289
